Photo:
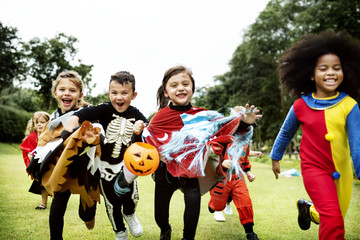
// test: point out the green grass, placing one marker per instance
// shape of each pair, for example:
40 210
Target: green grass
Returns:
274 208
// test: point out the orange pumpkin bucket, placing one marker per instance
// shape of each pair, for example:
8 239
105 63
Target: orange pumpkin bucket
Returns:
141 158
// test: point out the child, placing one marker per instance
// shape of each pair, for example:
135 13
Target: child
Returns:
234 187
178 87
33 129
67 89
323 72
120 120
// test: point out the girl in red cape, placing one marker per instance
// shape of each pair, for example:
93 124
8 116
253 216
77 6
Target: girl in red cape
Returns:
34 128
177 88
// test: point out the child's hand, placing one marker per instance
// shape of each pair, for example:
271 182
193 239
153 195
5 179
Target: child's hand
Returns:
250 115
255 153
276 168
226 163
250 176
139 127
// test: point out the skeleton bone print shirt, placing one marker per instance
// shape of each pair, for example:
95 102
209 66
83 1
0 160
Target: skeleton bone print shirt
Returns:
118 128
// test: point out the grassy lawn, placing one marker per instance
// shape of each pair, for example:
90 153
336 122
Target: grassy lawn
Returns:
274 208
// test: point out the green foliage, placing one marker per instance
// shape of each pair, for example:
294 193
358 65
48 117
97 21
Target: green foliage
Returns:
253 68
21 98
11 58
101 98
47 58
13 124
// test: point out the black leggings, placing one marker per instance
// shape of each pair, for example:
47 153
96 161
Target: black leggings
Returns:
192 197
57 212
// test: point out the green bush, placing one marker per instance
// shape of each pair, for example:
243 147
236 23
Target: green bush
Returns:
13 124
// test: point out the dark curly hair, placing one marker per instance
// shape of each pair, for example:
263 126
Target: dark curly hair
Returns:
297 64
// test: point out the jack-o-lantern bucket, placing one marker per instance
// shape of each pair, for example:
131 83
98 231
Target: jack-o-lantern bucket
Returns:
141 158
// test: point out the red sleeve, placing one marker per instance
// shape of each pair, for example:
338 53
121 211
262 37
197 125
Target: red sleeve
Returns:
28 145
244 161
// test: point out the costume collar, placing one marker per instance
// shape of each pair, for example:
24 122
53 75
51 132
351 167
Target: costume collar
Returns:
322 103
180 108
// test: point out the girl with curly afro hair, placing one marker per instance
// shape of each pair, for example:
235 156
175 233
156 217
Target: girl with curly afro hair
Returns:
322 73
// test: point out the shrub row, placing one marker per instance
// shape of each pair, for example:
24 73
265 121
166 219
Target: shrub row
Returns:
13 124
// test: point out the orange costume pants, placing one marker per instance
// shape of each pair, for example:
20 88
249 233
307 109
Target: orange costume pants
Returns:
237 189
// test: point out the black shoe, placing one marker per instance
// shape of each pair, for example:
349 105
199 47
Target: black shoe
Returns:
166 235
252 236
210 210
304 219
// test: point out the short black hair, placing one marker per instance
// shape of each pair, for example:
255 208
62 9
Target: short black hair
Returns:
123 77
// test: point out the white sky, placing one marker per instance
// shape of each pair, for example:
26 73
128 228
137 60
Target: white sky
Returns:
144 37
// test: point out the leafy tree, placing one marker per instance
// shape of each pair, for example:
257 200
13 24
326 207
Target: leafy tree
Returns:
25 99
253 78
11 57
101 98
48 58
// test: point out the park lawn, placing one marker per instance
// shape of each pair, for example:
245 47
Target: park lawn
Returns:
274 203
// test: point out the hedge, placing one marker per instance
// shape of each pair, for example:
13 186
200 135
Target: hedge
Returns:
13 124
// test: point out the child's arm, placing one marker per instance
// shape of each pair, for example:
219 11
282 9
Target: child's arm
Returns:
276 168
286 133
250 176
139 126
72 123
353 130
255 153
250 114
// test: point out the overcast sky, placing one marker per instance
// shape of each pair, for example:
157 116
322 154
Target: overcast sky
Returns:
145 37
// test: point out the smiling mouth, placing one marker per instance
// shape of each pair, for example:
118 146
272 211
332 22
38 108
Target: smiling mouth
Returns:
66 101
120 104
181 95
330 80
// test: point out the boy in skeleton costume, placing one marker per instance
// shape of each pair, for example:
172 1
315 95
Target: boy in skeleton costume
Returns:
120 121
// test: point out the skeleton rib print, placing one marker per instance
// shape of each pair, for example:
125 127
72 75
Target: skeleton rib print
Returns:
119 131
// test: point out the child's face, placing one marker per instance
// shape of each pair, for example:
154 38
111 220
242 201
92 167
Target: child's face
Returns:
179 89
40 124
328 75
67 95
121 95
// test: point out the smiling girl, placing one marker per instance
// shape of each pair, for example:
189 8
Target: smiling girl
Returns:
322 72
174 99
67 89
34 128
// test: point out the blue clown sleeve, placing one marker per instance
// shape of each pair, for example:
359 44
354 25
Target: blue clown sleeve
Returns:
353 129
286 133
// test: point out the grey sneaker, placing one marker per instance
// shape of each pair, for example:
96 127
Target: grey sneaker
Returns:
134 225
123 235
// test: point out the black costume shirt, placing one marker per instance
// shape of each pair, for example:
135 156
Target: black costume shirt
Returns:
118 128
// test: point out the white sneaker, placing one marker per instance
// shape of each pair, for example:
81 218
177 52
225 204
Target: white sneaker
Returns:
123 235
228 209
134 225
219 216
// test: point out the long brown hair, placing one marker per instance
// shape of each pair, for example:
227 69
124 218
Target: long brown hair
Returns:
163 101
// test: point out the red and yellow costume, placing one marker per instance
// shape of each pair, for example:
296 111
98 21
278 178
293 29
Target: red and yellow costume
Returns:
331 129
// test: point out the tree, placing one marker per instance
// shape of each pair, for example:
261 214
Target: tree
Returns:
48 58
253 78
11 57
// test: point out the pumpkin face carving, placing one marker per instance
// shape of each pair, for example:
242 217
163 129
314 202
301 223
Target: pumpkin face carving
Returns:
141 158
